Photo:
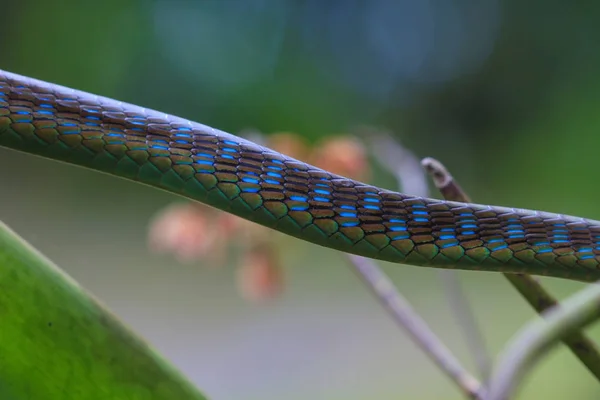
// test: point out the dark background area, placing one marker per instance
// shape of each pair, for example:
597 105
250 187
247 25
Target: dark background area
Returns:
506 93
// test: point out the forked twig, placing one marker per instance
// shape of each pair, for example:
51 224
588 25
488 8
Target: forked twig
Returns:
539 336
395 158
527 286
411 178
402 312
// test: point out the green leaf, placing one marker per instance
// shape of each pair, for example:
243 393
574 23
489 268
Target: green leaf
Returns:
58 343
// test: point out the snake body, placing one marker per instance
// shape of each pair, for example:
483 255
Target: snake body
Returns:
264 186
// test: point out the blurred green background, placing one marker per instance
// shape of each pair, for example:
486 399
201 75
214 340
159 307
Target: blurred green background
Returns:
506 93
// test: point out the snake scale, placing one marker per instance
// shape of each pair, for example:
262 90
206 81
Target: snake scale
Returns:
269 188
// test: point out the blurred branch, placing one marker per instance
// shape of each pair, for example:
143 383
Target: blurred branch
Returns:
411 178
459 303
398 160
539 336
527 286
415 326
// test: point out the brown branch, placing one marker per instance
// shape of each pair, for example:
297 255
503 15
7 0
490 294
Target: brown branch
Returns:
527 286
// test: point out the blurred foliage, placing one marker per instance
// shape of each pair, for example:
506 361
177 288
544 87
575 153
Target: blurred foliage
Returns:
503 92
59 343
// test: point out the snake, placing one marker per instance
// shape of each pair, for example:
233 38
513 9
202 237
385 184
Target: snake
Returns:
259 184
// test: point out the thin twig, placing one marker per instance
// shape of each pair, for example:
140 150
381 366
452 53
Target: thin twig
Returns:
415 326
539 336
459 303
527 286
405 166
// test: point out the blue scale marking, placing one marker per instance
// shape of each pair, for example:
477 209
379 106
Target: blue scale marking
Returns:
299 208
421 220
227 156
250 189
205 162
205 155
348 214
229 149
420 212
274 174
321 191
446 237
586 257
323 199
401 236
272 181
398 228
250 180
70 125
370 207
371 200
160 147
397 221
349 224
230 142
322 185
447 230
277 162
298 198
451 244
347 207
274 167
542 251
